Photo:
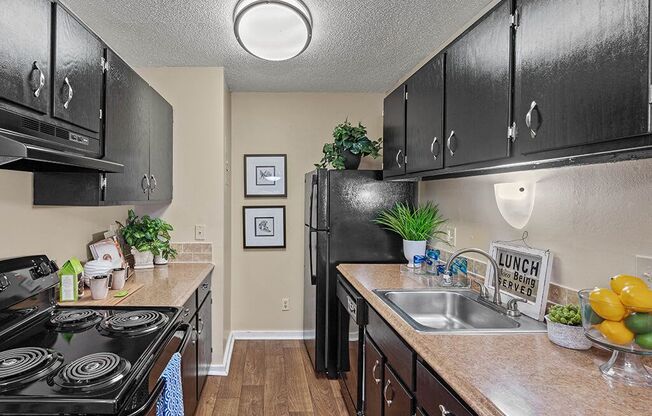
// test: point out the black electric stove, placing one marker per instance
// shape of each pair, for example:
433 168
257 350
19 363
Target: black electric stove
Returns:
77 361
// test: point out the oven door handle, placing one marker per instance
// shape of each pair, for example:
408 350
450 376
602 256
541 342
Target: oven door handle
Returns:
187 336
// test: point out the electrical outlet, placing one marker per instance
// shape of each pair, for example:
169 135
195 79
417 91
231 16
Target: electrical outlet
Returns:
200 232
285 304
644 268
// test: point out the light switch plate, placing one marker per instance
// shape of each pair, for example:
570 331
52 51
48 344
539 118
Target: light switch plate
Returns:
200 232
644 268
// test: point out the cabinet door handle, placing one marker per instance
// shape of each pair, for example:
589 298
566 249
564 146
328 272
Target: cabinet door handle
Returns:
70 93
385 391
449 143
397 157
528 119
204 286
200 326
41 79
373 372
444 411
432 148
153 182
144 183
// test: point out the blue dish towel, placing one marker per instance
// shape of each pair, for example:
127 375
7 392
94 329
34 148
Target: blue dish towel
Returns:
171 401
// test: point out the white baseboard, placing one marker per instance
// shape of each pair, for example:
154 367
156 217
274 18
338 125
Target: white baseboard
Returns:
223 368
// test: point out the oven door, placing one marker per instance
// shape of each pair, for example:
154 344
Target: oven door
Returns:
352 317
150 385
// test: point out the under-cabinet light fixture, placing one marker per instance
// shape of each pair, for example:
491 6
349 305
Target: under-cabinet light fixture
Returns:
515 202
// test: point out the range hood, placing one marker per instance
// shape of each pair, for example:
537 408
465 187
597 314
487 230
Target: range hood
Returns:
16 153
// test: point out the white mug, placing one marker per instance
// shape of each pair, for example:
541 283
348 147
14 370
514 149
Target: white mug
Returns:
100 286
119 278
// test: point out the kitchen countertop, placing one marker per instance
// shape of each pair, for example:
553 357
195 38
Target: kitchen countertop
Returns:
516 374
170 285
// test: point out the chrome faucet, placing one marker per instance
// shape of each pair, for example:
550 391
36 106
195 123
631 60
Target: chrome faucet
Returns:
497 301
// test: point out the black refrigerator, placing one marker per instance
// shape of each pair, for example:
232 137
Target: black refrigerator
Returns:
340 206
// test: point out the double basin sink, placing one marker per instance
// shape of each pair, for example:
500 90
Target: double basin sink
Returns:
459 311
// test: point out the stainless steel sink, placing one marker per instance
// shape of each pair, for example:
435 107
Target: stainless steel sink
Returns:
459 311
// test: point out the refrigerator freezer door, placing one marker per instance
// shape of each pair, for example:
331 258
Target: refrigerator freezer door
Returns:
314 296
316 199
355 200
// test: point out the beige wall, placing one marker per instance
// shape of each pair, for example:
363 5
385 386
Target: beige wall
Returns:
297 124
595 219
200 99
59 232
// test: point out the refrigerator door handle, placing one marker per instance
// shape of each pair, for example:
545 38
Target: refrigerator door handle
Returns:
312 198
313 276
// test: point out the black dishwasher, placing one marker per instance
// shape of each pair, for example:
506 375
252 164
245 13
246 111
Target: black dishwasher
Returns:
352 316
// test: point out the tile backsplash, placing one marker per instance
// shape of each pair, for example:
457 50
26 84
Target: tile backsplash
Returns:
477 268
193 252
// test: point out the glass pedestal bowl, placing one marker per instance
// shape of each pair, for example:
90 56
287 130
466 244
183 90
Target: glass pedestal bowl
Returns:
625 364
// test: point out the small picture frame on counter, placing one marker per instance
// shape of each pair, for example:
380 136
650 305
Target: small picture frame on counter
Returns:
263 226
265 176
524 272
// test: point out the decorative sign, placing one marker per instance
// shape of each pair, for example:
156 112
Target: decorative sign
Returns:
524 273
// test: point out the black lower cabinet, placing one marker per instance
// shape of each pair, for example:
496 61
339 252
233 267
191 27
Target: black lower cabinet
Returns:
398 383
373 378
204 341
398 401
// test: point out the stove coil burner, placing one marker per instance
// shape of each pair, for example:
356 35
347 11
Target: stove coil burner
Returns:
75 320
21 366
92 372
133 323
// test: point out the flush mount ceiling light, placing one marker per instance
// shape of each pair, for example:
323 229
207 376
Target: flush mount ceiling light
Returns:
274 30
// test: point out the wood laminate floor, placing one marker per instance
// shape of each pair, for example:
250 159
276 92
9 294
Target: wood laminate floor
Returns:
270 378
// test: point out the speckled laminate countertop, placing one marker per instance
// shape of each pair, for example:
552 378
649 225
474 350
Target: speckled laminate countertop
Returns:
520 374
171 285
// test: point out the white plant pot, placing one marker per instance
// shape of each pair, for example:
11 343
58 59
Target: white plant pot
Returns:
413 248
160 260
143 259
567 336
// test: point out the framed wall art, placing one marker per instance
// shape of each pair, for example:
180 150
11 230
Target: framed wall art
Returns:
523 272
263 226
265 175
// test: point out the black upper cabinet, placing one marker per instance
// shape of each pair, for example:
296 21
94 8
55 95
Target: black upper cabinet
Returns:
160 148
425 117
394 133
78 75
25 53
127 131
478 91
581 72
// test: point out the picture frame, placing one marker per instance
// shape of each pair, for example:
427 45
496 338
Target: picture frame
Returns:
258 169
263 227
524 272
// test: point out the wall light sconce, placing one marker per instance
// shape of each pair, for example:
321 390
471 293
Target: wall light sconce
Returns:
515 202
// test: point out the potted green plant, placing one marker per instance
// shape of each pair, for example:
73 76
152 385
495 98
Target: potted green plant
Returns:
350 145
148 237
416 225
565 327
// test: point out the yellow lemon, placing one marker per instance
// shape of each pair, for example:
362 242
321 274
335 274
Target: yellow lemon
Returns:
637 298
621 281
605 302
616 332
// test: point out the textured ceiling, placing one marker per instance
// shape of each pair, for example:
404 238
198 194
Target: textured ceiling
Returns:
357 45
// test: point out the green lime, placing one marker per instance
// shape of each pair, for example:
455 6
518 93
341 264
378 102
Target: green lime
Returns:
639 323
644 340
